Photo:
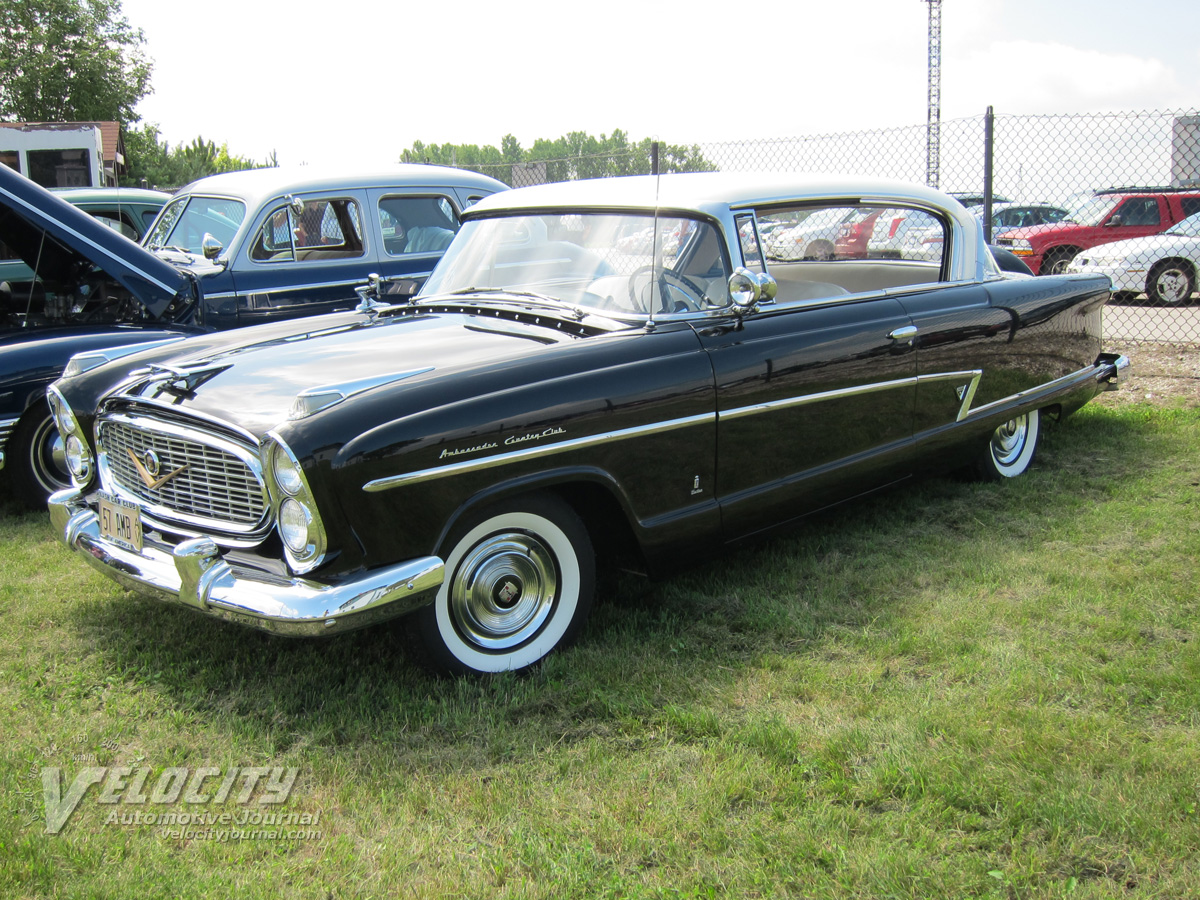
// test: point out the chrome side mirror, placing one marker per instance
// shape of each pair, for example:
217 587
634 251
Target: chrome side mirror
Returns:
295 204
210 246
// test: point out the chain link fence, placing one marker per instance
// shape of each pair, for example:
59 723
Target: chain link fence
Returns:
1117 193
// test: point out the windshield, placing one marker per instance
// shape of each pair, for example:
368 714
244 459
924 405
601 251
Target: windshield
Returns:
1189 227
621 264
186 220
1091 212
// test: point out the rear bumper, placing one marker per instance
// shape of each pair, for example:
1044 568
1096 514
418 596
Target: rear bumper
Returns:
194 574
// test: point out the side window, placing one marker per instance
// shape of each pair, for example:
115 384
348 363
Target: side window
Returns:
117 223
326 228
1191 206
416 224
818 252
1139 211
751 252
273 243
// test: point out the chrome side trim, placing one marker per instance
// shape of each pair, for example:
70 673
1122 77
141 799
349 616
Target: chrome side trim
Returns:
194 574
972 376
806 399
6 429
475 465
1049 387
858 390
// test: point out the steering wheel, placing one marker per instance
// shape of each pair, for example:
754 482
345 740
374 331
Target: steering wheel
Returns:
693 294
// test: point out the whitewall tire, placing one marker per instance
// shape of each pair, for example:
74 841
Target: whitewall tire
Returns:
520 579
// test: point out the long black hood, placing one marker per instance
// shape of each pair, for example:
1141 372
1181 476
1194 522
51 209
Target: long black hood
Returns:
60 243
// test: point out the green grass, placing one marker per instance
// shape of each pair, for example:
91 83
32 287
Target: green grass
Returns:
947 690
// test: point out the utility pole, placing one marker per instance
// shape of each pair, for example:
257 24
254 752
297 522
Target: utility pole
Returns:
933 120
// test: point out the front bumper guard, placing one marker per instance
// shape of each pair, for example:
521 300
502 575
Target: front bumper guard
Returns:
1111 370
194 574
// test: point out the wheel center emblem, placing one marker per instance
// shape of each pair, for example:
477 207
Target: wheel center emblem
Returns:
508 593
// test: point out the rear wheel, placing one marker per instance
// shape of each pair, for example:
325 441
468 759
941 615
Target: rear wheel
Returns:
820 250
520 579
1011 449
36 462
1170 282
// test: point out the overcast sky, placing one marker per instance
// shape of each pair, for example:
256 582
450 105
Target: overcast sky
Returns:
358 83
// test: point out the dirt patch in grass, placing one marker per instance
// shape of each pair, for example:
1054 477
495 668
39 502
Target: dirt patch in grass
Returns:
1161 374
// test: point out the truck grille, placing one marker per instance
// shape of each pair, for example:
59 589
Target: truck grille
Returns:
191 477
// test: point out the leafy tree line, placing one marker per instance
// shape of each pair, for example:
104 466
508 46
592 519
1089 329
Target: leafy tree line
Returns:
81 61
70 61
576 155
153 162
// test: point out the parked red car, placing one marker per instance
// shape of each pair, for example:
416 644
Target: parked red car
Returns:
1110 215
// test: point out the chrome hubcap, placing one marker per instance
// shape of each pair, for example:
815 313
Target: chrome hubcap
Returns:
1009 440
503 591
49 457
1172 286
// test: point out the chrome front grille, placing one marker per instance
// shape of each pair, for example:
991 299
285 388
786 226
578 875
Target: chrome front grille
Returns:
183 475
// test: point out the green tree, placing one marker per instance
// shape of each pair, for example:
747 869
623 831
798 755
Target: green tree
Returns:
576 155
151 160
70 61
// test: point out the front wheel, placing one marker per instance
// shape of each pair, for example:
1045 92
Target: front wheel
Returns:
1056 261
36 461
1170 283
1011 449
520 578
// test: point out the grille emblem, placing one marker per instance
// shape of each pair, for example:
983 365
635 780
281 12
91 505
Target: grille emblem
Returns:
151 462
149 469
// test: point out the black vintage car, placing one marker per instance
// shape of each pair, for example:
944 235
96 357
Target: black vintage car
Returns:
593 367
230 250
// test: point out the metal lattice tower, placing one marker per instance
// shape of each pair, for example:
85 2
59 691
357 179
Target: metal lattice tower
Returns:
933 126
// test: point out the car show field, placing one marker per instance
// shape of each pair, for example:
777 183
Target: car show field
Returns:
949 687
857 706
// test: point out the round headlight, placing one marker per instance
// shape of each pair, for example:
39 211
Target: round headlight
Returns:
79 460
294 522
62 417
287 474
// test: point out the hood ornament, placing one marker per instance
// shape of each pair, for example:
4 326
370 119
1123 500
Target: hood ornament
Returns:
181 381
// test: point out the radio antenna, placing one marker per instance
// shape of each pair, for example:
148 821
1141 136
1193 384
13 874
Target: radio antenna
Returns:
654 243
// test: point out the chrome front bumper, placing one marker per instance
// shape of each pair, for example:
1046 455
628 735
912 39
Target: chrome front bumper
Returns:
194 574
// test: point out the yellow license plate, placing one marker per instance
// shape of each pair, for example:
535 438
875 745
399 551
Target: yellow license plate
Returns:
120 522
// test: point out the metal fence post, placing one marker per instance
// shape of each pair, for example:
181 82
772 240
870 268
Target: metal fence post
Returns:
989 136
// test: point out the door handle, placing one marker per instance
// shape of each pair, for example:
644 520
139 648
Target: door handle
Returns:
905 333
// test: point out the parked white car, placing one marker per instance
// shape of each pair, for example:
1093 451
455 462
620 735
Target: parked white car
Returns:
1163 265
814 238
